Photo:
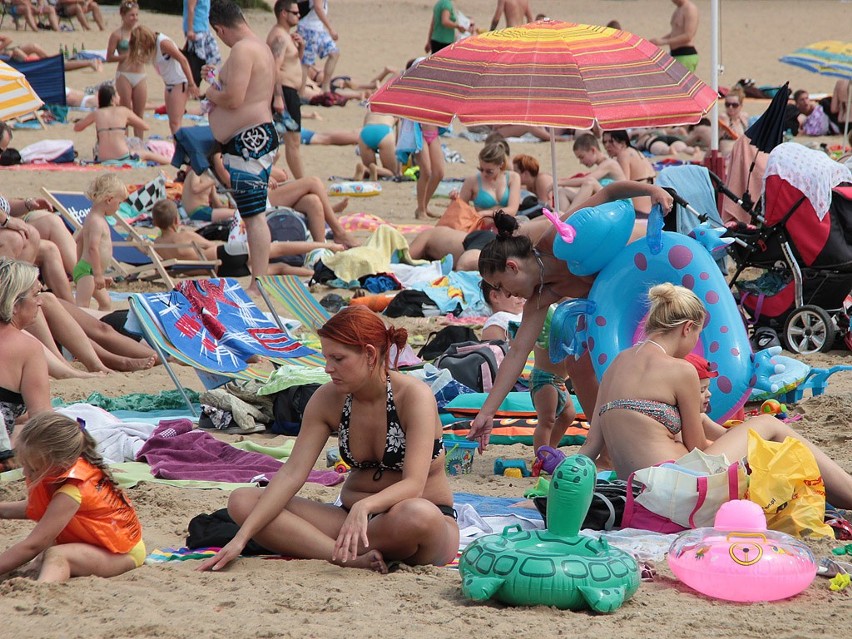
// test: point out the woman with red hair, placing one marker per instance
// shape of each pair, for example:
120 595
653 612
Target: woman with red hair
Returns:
396 503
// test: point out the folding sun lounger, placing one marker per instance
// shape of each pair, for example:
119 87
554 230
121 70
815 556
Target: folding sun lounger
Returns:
214 327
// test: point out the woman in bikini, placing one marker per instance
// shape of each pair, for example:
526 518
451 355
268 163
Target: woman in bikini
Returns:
635 166
172 66
24 384
495 186
111 121
130 73
377 137
733 122
520 261
649 406
396 503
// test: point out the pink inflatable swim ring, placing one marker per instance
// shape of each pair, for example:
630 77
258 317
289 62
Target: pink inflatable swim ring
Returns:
740 560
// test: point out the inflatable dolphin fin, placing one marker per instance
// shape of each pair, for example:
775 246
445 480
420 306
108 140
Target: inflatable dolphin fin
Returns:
603 600
480 588
566 335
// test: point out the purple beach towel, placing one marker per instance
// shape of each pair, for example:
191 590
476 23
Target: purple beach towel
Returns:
176 451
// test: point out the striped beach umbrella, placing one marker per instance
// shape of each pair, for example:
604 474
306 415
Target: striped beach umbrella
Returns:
549 73
17 97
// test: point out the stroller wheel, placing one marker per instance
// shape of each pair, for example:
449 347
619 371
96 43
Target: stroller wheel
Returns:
809 329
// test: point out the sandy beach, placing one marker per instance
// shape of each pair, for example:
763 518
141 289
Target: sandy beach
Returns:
268 598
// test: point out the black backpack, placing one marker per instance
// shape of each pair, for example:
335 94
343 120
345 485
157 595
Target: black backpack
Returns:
607 508
474 364
439 341
286 225
288 407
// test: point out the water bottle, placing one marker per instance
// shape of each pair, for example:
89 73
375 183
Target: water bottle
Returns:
788 136
74 53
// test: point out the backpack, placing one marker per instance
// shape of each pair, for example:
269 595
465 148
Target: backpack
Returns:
607 507
474 364
439 341
288 406
286 225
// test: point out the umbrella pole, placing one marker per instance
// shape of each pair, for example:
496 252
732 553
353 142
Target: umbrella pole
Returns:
554 193
848 110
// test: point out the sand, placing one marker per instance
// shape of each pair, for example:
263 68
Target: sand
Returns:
262 598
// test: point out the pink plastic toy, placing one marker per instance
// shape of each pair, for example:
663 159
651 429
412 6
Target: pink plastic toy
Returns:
740 560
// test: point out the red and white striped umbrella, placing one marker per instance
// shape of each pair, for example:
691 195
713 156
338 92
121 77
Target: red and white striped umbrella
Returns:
549 73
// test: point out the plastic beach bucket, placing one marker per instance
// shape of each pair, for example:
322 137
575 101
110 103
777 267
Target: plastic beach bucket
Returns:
459 456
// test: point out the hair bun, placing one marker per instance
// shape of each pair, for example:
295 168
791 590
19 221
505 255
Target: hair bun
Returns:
505 224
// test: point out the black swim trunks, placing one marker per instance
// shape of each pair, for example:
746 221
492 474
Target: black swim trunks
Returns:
293 106
478 239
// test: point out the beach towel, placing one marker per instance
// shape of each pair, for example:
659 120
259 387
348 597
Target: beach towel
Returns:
216 323
176 451
369 222
384 246
117 441
43 151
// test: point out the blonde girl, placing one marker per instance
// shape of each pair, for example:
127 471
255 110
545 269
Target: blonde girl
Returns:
160 50
85 524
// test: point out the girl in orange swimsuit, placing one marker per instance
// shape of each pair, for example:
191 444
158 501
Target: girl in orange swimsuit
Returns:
86 525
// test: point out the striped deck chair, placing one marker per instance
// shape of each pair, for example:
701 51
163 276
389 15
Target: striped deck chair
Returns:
133 257
214 327
291 293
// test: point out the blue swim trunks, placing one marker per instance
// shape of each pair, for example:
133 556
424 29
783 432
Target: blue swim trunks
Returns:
249 156
307 136
318 44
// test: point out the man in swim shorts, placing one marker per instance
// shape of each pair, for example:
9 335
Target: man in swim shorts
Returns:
681 39
241 121
287 49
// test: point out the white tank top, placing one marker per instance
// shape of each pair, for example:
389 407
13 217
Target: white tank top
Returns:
166 66
311 20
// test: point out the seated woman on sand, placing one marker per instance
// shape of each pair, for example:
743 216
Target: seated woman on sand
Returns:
634 165
649 406
495 186
396 503
24 384
111 121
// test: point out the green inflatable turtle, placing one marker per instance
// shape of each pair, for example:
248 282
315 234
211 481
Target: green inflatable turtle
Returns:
557 566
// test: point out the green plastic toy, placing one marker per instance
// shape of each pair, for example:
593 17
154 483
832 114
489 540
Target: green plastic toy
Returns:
552 567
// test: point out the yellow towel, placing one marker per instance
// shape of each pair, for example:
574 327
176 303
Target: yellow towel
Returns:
373 257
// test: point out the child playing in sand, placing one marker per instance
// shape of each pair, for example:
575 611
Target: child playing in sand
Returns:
86 525
94 245
177 243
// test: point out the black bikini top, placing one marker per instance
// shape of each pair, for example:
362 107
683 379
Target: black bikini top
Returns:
394 454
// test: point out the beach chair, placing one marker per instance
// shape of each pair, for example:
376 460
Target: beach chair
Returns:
214 327
133 256
296 299
46 77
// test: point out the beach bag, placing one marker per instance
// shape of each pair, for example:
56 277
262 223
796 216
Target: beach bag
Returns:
474 364
237 243
462 216
439 341
288 407
675 496
216 530
786 483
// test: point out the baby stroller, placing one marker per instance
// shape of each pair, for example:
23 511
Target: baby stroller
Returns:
802 241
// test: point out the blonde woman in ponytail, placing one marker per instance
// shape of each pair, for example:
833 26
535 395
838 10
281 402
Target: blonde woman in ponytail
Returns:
650 406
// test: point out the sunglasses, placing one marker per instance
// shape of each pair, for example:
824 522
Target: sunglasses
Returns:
294 13
732 104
